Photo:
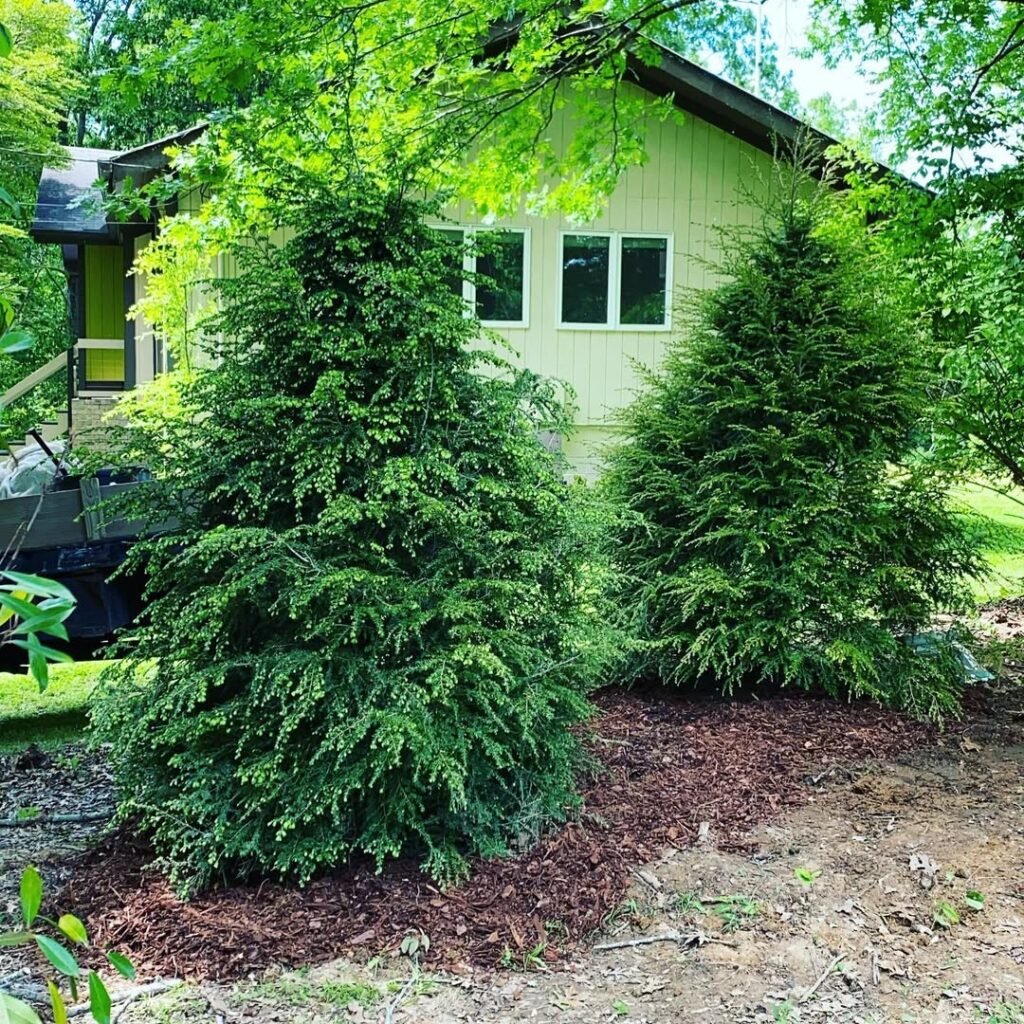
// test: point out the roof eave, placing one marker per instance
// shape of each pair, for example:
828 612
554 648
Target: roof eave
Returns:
748 117
61 237
150 159
727 106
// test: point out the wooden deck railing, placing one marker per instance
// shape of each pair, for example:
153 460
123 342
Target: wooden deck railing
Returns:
55 365
36 377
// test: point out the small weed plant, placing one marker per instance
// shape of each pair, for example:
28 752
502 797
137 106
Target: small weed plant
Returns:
55 939
806 876
734 911
1004 1013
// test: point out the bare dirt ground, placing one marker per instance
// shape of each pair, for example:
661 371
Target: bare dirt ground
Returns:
854 909
870 890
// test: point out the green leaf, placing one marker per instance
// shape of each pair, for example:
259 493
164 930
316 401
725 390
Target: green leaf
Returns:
61 959
6 41
6 199
46 620
6 314
60 1012
16 341
39 657
14 1011
48 627
99 999
73 929
15 938
974 899
18 605
39 669
38 585
31 895
49 652
122 965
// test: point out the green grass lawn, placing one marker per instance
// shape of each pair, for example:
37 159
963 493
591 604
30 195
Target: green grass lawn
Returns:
999 520
52 717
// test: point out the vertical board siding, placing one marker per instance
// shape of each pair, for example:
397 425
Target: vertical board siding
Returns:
697 181
104 311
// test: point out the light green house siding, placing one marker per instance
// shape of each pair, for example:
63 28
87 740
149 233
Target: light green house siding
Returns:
697 181
104 312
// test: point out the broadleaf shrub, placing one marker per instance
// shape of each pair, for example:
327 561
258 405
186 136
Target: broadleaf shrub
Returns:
778 523
376 624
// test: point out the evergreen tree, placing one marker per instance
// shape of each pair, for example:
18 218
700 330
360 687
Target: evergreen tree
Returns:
778 528
373 629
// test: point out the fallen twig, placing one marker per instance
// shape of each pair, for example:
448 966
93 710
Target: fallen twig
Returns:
152 988
63 819
651 881
21 972
389 1012
821 981
28 991
683 938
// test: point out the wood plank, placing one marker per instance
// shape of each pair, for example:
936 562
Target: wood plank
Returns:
61 518
53 517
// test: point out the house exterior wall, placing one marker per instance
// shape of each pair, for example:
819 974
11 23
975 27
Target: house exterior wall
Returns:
697 181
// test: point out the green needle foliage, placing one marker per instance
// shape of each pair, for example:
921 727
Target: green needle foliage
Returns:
377 623
778 529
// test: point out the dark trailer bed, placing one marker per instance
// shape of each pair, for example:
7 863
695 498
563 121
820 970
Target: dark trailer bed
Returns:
64 536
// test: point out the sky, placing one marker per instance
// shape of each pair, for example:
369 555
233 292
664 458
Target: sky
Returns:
786 22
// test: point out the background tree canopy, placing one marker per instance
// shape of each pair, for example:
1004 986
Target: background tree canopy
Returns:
121 38
38 84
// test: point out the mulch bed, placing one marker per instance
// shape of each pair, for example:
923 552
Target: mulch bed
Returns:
667 763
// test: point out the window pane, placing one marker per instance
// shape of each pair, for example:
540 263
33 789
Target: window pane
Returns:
642 289
453 239
499 266
585 279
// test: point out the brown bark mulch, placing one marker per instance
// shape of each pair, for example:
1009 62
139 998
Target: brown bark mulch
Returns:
666 763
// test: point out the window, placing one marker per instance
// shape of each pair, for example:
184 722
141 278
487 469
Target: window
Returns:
456 238
615 280
585 276
501 269
497 263
643 275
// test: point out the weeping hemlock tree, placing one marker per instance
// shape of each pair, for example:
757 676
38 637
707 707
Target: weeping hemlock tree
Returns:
778 528
372 632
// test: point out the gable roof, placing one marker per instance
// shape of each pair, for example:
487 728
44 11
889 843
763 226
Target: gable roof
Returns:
720 102
693 89
148 159
69 198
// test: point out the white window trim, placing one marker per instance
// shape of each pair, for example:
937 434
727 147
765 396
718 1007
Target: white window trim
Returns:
615 283
469 267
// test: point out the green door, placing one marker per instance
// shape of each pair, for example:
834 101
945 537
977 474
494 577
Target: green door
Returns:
104 315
